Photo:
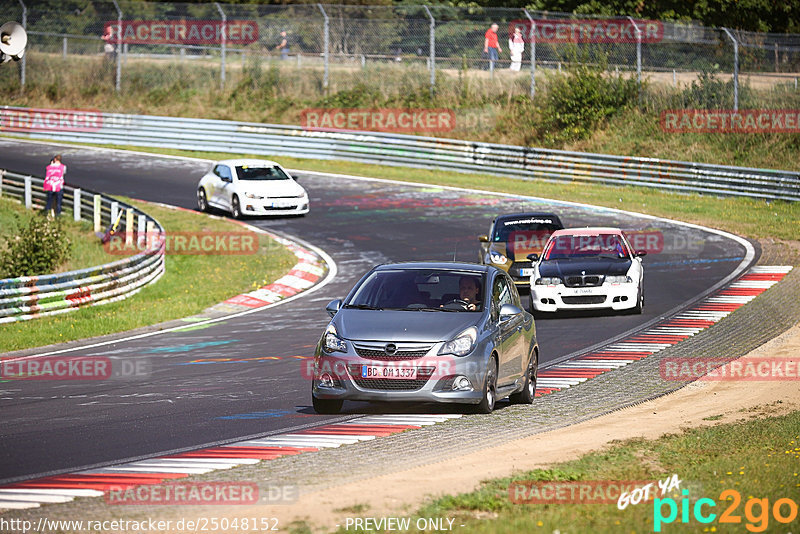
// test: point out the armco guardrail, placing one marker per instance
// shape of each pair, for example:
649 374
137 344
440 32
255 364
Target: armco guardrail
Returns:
29 297
404 150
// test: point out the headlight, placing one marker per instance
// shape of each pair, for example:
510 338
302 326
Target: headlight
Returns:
251 195
301 195
621 279
498 258
462 344
333 342
548 281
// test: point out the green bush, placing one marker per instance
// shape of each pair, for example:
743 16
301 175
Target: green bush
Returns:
577 103
37 249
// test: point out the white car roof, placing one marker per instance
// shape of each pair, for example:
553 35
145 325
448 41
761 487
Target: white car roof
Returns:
248 162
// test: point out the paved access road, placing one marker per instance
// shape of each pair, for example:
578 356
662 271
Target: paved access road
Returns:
188 400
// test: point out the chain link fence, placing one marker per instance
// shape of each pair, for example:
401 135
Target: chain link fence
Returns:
168 49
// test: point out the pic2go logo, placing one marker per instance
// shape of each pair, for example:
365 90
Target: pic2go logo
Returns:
756 511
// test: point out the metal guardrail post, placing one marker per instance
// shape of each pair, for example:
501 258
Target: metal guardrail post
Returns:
98 199
128 227
28 195
432 49
23 61
532 39
222 49
735 69
140 230
2 174
638 51
114 211
118 81
326 44
76 205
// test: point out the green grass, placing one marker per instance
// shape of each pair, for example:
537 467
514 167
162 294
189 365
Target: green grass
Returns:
84 250
758 458
191 284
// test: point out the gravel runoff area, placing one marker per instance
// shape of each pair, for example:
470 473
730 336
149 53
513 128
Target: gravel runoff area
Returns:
763 319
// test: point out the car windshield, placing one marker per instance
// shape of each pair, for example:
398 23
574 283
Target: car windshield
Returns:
511 230
437 290
246 172
584 246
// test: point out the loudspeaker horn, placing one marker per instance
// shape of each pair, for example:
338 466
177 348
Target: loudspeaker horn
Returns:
13 40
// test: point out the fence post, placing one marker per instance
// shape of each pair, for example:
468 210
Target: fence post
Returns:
326 44
119 50
735 69
114 211
638 51
128 227
98 201
432 49
140 232
28 195
2 174
532 39
23 63
64 47
76 204
222 50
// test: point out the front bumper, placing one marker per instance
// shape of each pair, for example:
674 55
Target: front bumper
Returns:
606 296
299 206
436 375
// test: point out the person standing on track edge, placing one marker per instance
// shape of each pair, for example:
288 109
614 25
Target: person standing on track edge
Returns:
54 183
491 45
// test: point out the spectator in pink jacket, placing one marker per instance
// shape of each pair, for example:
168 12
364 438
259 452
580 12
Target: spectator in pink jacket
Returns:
54 183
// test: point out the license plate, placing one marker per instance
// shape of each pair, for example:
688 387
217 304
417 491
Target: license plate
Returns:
388 372
584 291
526 272
281 204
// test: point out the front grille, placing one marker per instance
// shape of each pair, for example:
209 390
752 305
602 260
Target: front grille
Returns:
373 352
382 384
589 280
587 299
517 266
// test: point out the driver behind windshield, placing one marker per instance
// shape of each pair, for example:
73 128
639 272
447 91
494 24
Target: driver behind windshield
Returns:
468 290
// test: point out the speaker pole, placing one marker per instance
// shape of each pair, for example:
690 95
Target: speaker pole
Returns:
22 62
119 46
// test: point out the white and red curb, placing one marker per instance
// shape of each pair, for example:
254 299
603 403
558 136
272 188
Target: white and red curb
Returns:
662 335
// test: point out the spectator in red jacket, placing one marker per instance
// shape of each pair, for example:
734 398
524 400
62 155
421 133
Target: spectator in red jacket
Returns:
491 46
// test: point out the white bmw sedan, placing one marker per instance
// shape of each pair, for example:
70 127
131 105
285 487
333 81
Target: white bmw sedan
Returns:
251 187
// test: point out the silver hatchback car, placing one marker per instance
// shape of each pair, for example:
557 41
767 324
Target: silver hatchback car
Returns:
427 332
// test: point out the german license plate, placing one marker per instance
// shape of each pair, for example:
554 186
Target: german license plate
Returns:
526 272
388 372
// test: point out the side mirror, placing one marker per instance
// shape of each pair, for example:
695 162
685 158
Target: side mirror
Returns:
333 307
641 253
483 238
507 311
227 179
533 257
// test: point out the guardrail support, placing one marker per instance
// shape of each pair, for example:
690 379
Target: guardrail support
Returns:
76 205
98 200
735 69
151 234
28 199
2 174
128 227
140 231
326 38
114 212
222 50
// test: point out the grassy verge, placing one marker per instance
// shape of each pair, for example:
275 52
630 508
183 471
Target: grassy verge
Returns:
85 252
747 217
191 284
757 458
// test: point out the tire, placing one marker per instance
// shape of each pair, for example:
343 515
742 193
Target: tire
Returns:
637 310
528 392
326 406
236 208
489 390
202 201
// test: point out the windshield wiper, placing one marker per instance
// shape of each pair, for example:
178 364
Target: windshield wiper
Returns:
361 307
